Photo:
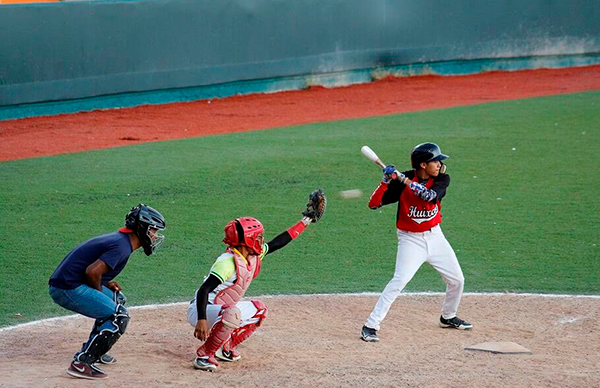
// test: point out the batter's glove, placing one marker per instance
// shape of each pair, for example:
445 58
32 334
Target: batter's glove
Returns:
388 173
315 208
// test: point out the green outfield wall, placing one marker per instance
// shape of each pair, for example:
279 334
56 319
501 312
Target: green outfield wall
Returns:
76 50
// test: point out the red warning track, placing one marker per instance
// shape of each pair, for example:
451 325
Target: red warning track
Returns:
50 135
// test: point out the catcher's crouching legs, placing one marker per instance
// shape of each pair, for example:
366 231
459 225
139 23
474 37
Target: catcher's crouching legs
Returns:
231 319
228 352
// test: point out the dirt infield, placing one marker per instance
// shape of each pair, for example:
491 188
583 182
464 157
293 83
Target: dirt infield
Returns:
41 136
312 341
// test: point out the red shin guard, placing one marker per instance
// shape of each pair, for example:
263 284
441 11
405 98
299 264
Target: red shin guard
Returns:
218 336
240 335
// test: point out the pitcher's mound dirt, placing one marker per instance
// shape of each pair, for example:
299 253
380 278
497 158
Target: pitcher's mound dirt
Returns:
313 341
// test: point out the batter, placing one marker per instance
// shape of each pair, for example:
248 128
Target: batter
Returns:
420 238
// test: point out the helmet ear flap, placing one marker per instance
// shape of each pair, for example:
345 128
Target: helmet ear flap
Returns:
233 230
244 231
240 232
131 219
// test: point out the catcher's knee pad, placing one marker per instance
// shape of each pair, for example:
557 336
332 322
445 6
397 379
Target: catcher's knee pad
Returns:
231 316
261 312
120 298
107 336
121 319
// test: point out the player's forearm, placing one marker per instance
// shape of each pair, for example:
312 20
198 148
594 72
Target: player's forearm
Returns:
94 272
201 303
433 194
376 199
279 242
286 237
207 287
93 279
423 192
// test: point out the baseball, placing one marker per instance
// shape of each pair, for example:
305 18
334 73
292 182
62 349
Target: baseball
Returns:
349 194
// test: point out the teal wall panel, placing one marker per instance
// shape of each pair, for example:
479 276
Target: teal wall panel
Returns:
73 50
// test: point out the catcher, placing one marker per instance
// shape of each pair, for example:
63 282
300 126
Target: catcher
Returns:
220 318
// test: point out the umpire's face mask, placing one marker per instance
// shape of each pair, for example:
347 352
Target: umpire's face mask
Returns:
156 239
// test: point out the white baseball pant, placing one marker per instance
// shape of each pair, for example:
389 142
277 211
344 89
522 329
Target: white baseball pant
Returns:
413 250
213 313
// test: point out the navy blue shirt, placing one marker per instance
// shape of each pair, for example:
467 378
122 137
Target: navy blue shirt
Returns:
113 249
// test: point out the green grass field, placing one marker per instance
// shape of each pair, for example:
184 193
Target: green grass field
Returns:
521 211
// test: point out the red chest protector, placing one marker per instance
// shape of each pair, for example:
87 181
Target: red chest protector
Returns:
246 271
415 214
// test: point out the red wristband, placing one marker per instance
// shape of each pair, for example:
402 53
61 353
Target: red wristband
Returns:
296 230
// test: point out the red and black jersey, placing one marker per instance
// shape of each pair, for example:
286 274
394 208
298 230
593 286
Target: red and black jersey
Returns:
414 214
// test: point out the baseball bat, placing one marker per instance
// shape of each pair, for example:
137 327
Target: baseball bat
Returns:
372 156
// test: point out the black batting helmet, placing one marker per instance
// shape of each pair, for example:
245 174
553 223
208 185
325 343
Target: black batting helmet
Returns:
426 152
141 219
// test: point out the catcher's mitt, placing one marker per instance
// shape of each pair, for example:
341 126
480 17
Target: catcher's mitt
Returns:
315 208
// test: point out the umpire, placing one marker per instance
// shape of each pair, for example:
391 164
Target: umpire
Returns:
83 282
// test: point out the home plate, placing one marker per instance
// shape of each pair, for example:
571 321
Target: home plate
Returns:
500 347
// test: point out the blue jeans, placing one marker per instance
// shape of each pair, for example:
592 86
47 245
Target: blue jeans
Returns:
90 302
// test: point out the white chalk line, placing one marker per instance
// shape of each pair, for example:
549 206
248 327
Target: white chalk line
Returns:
155 306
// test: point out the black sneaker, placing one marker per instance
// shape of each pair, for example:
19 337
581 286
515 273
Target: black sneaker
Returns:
455 323
369 335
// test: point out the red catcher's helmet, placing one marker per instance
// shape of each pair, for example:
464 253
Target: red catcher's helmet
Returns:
244 231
